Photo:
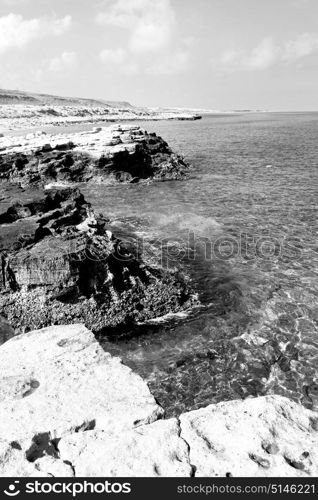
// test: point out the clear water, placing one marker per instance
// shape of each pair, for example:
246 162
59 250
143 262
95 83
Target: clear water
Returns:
253 198
249 215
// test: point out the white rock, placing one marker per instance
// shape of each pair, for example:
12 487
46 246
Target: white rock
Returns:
59 379
13 463
265 436
68 408
150 450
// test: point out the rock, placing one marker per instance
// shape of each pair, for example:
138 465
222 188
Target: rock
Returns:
149 450
6 330
264 436
74 270
59 380
67 409
13 463
108 155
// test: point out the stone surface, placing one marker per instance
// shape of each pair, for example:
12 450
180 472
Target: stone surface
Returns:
264 436
67 408
106 155
73 269
59 380
148 450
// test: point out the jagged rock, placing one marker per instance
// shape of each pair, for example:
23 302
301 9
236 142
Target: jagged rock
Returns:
264 436
67 408
6 330
74 270
53 200
105 155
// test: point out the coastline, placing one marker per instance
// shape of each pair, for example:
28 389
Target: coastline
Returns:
68 409
230 448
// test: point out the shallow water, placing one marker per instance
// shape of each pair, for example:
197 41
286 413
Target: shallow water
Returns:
249 216
245 227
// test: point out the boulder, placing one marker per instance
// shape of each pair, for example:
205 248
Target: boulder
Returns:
67 408
59 380
264 436
149 450
73 269
104 155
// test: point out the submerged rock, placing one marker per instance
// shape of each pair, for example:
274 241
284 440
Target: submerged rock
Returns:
73 269
67 408
105 155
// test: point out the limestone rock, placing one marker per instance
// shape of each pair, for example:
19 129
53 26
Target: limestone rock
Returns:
67 408
264 436
59 380
103 155
149 450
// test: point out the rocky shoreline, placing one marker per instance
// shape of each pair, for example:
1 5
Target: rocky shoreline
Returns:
104 155
67 408
23 117
72 267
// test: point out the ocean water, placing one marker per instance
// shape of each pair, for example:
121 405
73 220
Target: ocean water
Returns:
245 228
249 217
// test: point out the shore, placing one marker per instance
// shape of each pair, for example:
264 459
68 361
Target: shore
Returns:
68 409
22 117
65 404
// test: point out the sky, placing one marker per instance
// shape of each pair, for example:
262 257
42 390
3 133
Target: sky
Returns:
212 54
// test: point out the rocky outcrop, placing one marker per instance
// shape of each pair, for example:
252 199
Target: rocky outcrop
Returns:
67 408
104 155
264 436
73 269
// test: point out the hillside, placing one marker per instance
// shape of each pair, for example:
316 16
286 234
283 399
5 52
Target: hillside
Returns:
30 98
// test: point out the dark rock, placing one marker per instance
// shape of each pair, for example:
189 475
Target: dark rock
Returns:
142 156
74 270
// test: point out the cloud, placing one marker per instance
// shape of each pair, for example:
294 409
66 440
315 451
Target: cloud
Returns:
113 56
119 59
16 32
267 54
171 64
303 46
150 23
67 60
14 2
152 46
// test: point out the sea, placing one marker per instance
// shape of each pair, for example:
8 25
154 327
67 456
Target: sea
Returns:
244 227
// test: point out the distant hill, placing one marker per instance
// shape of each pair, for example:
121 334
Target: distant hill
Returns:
30 98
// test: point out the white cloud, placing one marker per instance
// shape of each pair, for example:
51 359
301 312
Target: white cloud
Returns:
173 63
16 32
267 54
115 56
152 46
149 22
304 45
67 60
14 2
119 59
